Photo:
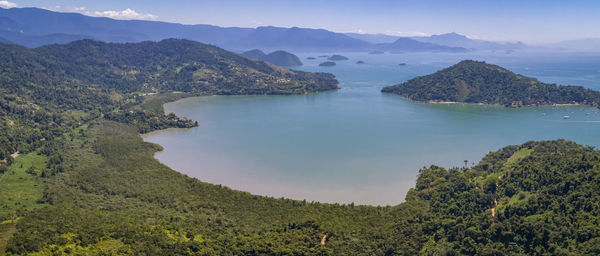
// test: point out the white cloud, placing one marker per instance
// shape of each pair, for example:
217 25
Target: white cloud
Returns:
127 14
414 33
7 4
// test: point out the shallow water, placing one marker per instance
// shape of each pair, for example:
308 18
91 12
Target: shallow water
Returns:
359 145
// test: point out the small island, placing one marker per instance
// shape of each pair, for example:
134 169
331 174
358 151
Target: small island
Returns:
327 64
478 82
360 62
279 58
376 52
323 56
402 64
311 58
337 57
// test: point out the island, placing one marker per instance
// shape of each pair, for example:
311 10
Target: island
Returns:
402 64
360 62
376 52
478 82
327 64
311 58
279 58
336 57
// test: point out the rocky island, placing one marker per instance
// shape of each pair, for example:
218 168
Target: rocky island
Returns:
327 64
337 57
479 82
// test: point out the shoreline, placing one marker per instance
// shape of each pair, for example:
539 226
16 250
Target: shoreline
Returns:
156 132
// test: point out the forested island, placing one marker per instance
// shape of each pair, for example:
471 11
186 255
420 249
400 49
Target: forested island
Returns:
478 82
279 58
85 183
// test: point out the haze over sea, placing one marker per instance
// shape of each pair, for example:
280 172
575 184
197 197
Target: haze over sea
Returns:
359 145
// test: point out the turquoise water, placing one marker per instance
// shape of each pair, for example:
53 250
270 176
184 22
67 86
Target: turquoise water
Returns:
359 145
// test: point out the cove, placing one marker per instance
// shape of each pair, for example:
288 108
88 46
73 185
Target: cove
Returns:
359 145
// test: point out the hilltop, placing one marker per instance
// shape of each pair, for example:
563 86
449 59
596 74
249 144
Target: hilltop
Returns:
479 82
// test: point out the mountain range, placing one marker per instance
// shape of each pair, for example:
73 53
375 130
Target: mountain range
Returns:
33 27
449 39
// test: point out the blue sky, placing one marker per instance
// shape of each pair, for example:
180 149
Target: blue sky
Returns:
531 21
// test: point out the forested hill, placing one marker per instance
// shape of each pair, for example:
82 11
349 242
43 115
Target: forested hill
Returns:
177 65
478 82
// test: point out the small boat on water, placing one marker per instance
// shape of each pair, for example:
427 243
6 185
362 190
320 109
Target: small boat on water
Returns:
566 117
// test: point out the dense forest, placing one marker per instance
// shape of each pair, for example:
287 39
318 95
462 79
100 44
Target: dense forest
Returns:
478 82
85 183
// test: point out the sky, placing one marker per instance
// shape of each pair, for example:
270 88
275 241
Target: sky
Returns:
529 21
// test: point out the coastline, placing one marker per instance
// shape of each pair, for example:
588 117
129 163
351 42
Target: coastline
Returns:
152 133
442 102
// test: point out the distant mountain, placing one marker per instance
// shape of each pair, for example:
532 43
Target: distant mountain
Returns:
297 39
39 40
405 44
478 82
33 27
582 45
458 40
279 58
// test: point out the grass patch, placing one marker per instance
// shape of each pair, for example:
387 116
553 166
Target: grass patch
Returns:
517 200
21 186
516 157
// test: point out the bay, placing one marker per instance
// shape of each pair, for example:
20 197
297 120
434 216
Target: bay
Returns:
359 145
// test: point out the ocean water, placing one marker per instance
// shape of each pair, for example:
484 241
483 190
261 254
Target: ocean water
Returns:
359 145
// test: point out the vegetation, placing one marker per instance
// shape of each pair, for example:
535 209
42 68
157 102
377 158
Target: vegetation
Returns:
87 184
479 82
